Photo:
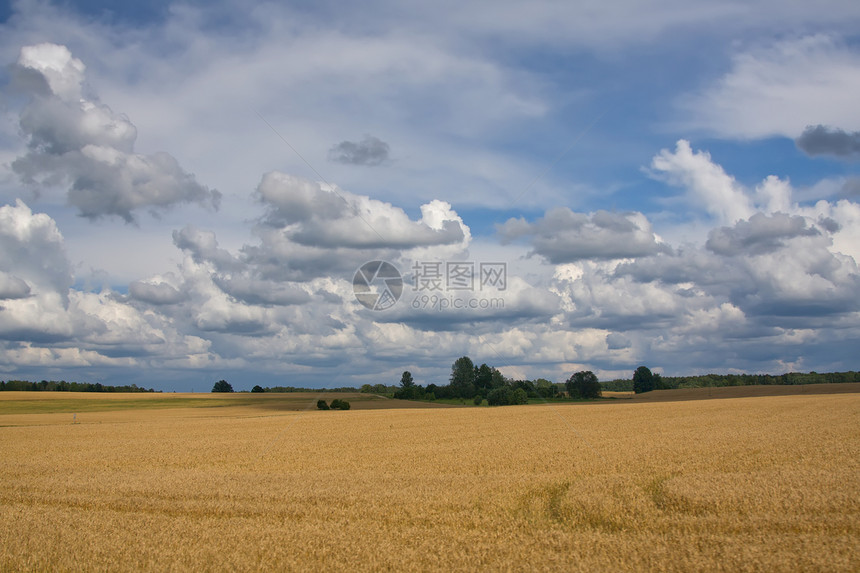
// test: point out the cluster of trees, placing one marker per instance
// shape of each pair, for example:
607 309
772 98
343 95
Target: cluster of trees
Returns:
222 386
484 382
505 396
584 384
478 383
63 386
336 404
645 381
468 382
378 389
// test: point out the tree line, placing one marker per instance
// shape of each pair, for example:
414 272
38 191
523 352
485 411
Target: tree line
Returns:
288 389
224 386
720 380
479 383
469 381
63 386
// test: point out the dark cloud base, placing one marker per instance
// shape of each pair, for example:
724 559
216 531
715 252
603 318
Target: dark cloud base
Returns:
369 151
823 140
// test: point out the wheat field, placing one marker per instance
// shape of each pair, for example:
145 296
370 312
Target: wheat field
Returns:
747 484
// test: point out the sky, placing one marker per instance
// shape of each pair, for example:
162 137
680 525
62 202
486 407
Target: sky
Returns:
198 191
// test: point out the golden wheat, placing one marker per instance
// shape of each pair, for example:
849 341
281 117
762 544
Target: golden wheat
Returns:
753 484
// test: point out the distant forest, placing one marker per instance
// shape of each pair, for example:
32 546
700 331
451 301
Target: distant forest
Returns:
491 379
717 380
300 389
541 388
63 386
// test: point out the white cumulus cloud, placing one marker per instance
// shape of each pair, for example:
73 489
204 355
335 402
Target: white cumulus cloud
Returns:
77 142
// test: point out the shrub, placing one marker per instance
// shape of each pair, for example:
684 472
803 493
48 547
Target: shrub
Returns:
499 396
519 396
321 405
478 400
338 404
506 396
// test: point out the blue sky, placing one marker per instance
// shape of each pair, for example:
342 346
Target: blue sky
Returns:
187 189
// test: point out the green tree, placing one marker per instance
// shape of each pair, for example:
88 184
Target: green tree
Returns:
222 386
500 396
643 380
321 405
483 379
527 387
545 388
408 389
463 378
498 379
583 384
519 396
257 389
338 404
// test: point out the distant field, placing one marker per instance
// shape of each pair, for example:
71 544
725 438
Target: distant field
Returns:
81 402
737 392
71 402
270 483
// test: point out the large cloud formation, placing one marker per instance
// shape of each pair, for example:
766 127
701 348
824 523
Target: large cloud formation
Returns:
311 230
295 281
772 275
756 287
48 324
754 277
75 140
562 236
36 274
